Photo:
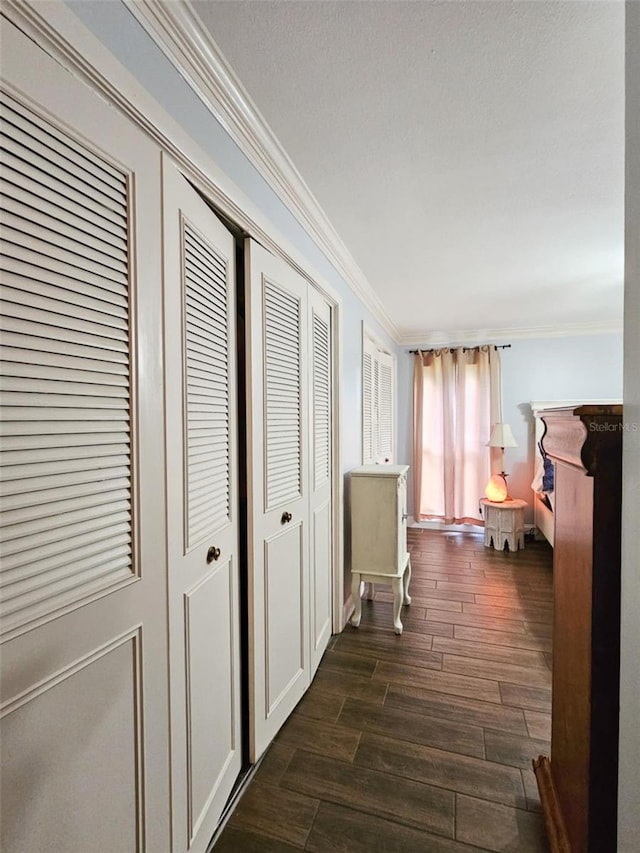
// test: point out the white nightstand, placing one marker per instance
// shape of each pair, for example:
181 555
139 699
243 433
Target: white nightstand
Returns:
503 523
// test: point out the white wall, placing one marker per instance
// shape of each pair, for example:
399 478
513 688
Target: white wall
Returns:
629 776
569 368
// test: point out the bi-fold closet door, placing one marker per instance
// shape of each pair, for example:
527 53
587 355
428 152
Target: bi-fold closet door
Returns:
83 660
290 462
202 511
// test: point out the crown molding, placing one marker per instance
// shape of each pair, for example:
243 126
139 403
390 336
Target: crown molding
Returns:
177 30
418 337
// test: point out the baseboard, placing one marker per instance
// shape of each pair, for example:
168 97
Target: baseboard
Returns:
347 610
440 525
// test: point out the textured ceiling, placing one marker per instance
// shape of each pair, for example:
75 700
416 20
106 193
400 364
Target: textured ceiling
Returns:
470 155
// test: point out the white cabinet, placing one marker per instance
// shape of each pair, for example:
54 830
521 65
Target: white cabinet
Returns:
379 534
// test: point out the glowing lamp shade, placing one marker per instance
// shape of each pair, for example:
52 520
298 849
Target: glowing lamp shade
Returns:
496 489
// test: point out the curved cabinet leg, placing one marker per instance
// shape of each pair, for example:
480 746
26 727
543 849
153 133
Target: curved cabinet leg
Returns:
370 591
396 583
355 592
405 582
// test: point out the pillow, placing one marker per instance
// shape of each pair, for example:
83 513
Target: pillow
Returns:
547 477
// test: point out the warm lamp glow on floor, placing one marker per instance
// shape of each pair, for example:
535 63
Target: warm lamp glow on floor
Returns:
496 489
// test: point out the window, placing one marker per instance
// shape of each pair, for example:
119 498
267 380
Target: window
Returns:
378 372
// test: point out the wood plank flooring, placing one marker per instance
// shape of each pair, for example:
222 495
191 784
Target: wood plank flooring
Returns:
421 742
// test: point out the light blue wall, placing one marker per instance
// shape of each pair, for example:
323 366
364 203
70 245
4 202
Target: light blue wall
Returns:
113 24
571 368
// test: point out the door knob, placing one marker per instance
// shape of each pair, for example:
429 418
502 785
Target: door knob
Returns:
286 517
213 553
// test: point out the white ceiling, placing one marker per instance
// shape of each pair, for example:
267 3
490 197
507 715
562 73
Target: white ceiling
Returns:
469 154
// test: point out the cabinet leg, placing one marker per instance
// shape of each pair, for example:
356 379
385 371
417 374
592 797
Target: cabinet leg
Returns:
355 593
406 579
396 583
370 591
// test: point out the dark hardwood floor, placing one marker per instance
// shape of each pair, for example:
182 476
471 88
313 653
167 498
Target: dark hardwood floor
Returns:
421 742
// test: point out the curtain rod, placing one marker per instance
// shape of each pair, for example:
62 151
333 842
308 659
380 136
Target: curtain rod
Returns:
464 349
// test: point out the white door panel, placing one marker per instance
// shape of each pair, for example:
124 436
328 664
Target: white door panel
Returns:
84 713
278 496
321 562
284 615
320 475
202 523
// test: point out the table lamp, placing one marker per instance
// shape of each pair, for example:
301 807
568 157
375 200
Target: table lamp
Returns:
501 436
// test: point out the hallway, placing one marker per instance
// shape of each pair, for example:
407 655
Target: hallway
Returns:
421 742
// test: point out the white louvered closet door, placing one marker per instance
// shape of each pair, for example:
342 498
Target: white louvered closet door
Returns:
84 713
202 522
320 476
278 499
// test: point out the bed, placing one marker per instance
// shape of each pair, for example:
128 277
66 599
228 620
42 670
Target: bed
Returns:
543 475
543 469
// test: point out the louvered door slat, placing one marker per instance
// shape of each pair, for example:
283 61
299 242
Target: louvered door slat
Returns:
65 475
55 553
282 399
60 453
63 466
198 298
42 267
55 510
17 194
16 241
385 407
84 187
67 279
207 389
40 292
58 300
30 377
58 221
26 220
200 272
210 265
321 400
29 191
75 523
56 159
367 408
41 129
71 577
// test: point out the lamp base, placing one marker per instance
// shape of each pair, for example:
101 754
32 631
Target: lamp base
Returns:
497 489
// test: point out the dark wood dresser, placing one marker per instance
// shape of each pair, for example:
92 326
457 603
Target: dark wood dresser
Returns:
578 785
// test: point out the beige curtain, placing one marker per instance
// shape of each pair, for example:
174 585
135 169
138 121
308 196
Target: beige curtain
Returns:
457 398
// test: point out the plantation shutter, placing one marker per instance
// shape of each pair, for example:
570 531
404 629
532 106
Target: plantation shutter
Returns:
368 453
282 395
66 461
206 387
377 404
321 400
385 407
